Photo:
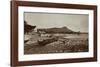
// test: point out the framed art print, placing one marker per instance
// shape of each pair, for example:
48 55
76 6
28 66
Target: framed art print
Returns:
52 33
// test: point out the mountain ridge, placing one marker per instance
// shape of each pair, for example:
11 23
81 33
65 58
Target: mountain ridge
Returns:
56 30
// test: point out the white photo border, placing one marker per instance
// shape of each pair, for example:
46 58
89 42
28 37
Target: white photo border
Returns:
22 57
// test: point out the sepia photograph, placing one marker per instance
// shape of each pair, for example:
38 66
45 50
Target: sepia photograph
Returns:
46 33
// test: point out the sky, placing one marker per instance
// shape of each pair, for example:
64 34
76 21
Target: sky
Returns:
75 22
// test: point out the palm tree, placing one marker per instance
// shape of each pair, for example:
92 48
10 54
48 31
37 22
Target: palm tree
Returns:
28 28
